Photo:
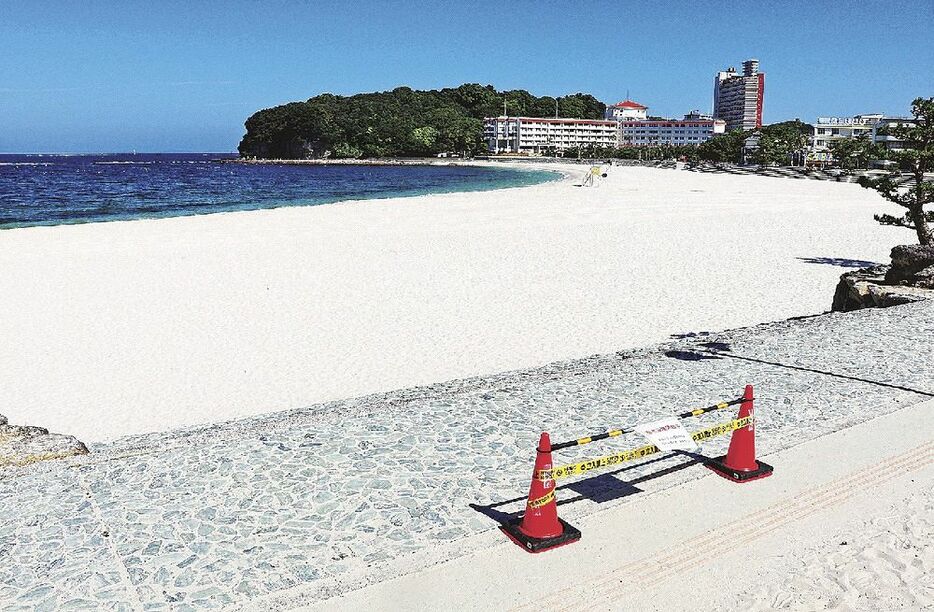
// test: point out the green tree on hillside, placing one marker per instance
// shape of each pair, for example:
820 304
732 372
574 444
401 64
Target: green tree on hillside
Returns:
917 157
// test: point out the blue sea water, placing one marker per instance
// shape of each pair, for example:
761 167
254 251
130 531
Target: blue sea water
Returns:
57 189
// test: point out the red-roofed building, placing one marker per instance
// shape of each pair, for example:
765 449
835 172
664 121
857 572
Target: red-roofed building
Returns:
627 110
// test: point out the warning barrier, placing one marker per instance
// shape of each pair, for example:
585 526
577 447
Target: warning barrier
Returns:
618 432
573 469
540 528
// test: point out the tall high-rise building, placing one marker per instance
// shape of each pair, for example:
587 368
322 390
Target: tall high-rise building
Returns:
737 98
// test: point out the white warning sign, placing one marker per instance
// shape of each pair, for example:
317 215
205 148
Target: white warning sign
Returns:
668 435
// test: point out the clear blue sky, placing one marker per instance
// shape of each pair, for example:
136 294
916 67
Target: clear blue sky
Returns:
96 76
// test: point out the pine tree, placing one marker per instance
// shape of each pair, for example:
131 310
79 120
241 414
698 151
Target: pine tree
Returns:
917 157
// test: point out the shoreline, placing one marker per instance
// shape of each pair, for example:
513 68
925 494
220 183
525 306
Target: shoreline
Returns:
386 161
559 175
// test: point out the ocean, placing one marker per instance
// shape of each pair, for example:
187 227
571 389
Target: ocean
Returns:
61 189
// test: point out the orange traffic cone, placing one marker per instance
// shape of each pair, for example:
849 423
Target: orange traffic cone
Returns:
540 528
739 464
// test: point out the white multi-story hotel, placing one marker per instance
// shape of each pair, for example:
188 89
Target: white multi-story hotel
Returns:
828 129
737 99
689 131
535 135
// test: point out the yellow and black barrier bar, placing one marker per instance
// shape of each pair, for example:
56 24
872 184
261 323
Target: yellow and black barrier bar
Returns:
573 469
618 432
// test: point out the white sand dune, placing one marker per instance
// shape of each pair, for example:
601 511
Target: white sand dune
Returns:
116 328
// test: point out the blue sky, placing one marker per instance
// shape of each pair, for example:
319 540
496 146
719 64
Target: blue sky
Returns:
98 76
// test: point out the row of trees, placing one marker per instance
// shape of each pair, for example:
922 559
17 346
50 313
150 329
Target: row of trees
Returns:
398 123
778 143
653 152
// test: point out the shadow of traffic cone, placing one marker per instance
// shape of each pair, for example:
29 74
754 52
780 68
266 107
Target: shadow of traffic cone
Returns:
540 529
739 464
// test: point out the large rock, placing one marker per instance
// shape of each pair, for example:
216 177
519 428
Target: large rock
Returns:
907 261
23 444
868 288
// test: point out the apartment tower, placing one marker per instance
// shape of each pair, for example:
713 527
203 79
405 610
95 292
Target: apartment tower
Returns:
737 98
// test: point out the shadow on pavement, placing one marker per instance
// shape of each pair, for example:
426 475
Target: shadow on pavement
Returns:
599 489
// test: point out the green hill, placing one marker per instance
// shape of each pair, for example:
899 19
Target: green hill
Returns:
398 123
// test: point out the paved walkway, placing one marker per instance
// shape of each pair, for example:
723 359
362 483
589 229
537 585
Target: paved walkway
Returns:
772 545
320 500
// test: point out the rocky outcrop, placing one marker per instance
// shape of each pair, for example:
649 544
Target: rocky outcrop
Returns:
24 444
910 278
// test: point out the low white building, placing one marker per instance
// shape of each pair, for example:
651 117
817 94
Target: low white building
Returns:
688 131
890 142
828 129
627 110
537 135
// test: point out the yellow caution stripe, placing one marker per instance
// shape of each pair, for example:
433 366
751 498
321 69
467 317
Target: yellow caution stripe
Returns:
541 501
573 469
619 432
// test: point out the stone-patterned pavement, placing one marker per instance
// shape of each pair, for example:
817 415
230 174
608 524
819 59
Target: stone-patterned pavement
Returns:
223 515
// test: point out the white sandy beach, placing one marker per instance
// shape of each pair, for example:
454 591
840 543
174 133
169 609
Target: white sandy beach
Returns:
124 327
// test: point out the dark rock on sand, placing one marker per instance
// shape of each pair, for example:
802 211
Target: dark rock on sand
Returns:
869 288
25 444
908 260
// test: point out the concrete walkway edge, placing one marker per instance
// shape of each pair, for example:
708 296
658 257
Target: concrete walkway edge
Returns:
628 551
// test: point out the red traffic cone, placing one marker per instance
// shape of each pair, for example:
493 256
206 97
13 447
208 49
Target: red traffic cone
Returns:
739 464
540 528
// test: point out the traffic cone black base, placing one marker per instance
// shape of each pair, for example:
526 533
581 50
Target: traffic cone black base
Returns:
537 545
720 468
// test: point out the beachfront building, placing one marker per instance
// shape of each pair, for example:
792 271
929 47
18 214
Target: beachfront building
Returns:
696 115
829 129
737 98
627 110
537 135
688 131
879 127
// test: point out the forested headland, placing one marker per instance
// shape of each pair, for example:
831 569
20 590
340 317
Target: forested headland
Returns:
402 122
